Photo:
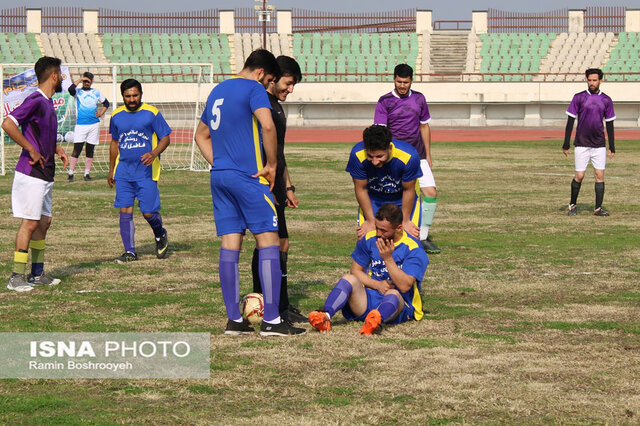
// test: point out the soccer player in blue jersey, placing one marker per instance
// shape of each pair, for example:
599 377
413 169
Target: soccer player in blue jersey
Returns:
591 107
385 279
406 113
235 129
385 170
283 190
31 194
87 123
139 135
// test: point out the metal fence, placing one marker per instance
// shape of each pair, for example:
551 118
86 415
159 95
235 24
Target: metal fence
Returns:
62 20
554 21
452 25
603 19
14 20
120 21
246 21
304 21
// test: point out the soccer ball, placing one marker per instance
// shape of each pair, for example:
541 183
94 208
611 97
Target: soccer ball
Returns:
68 136
59 138
252 308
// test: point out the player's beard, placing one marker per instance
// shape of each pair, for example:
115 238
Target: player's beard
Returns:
133 105
59 87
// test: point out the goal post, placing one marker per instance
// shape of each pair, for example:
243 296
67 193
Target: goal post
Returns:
178 90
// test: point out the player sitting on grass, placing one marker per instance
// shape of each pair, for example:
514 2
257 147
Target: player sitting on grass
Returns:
384 282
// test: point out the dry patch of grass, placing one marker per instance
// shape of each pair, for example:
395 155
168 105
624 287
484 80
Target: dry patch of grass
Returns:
531 316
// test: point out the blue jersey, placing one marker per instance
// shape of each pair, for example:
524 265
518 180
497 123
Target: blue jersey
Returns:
385 184
87 104
137 133
235 132
408 255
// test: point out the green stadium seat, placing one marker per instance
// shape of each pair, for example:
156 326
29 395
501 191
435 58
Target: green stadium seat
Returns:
341 67
375 44
297 44
331 70
321 70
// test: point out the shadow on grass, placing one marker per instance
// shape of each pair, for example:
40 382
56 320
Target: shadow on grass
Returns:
582 208
147 249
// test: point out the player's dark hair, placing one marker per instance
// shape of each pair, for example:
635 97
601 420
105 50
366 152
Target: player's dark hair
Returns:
391 213
403 70
376 138
45 66
88 75
590 71
289 66
262 58
128 84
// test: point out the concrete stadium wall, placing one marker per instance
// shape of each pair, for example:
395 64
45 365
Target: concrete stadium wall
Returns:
451 104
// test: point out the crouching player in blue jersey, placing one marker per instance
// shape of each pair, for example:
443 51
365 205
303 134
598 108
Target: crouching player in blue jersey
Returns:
386 275
385 170
139 135
236 127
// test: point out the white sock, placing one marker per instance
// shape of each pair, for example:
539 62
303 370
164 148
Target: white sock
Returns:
424 232
274 321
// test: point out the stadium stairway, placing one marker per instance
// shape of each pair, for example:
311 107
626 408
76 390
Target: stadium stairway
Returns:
245 43
448 54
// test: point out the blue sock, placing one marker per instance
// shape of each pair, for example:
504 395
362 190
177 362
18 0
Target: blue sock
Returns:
37 269
128 232
338 297
156 224
270 277
230 282
388 306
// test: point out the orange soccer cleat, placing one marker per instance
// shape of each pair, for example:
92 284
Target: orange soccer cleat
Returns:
320 321
372 322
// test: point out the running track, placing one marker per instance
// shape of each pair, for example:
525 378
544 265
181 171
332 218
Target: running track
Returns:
447 134
450 134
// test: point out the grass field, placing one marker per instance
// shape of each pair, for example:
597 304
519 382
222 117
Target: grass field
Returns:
532 316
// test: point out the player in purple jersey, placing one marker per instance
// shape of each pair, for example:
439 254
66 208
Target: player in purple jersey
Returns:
31 194
406 114
591 107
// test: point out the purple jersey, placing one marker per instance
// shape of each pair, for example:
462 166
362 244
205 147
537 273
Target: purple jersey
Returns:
591 109
37 117
404 116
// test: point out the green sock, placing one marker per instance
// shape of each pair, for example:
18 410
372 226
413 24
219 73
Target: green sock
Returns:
428 207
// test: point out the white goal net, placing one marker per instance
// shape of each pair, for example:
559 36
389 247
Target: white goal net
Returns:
181 112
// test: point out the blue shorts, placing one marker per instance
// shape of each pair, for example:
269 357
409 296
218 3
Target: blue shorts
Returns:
146 191
374 298
241 202
416 212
